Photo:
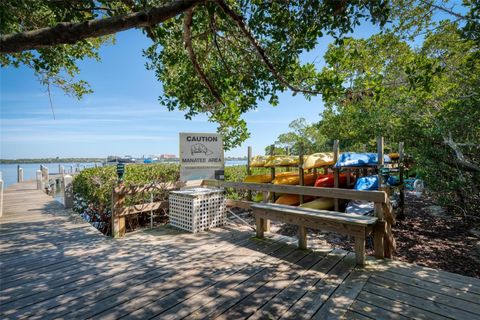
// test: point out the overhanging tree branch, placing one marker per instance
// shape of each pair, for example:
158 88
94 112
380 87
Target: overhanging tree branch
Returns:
239 21
459 154
187 37
69 32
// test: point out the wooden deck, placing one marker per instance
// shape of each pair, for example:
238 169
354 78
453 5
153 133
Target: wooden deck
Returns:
53 266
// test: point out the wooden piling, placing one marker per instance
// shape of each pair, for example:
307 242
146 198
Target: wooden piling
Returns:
67 191
20 175
39 180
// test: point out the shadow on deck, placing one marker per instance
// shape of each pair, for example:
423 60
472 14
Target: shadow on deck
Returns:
52 267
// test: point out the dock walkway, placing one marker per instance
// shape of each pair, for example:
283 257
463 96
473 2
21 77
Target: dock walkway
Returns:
56 266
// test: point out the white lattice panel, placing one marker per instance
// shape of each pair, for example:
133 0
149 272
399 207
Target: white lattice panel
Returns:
197 209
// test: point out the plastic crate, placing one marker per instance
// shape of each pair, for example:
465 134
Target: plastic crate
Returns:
197 209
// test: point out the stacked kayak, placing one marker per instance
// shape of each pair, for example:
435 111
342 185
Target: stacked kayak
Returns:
259 161
328 180
370 183
308 179
394 155
275 161
319 204
267 178
258 178
317 160
291 199
354 159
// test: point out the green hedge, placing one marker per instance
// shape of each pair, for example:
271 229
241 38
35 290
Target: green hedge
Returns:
93 186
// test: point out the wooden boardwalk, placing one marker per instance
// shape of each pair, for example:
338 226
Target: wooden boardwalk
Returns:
53 266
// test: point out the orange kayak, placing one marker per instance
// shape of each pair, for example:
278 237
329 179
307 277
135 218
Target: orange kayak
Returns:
308 179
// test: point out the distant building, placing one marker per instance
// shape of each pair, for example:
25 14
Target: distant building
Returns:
168 156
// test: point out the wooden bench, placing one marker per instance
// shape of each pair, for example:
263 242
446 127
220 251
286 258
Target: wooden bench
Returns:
354 225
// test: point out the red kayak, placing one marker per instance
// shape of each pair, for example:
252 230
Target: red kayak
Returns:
327 180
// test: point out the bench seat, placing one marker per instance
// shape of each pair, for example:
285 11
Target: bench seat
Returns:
354 225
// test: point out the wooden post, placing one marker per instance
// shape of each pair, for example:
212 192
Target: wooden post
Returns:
45 174
260 226
67 192
20 174
360 250
118 222
336 173
249 170
379 232
379 239
151 211
380 147
39 179
301 173
266 222
302 237
402 181
272 173
62 170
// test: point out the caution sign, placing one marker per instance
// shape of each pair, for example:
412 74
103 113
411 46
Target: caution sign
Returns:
201 155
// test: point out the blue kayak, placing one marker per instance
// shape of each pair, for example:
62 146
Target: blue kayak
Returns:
353 159
370 183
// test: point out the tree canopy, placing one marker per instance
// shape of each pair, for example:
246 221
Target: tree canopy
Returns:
216 57
426 96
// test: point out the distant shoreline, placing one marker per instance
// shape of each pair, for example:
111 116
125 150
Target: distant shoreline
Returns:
51 160
84 160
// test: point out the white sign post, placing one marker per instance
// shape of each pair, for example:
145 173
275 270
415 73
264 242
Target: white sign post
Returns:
201 156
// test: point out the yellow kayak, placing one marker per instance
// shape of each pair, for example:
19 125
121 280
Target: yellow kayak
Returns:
319 204
317 160
266 178
259 161
394 155
282 161
308 179
258 178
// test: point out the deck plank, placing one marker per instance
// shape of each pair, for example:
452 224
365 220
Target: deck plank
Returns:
55 266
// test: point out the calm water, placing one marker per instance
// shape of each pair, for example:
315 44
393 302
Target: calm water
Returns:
9 171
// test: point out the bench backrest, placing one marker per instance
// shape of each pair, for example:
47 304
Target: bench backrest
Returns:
334 216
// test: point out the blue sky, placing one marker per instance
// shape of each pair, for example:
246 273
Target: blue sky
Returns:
123 115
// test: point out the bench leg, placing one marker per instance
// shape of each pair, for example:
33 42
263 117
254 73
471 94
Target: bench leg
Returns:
260 222
360 250
302 237
266 225
378 239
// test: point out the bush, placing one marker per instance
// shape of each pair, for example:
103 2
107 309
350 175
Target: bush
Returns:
93 187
